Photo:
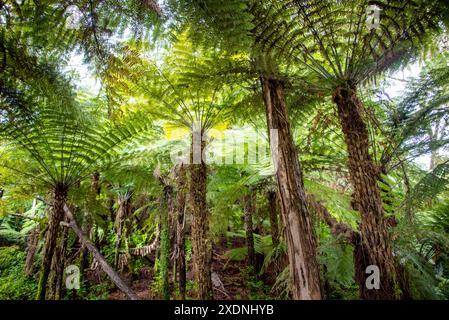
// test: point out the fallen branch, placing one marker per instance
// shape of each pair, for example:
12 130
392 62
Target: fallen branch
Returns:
218 285
337 228
114 276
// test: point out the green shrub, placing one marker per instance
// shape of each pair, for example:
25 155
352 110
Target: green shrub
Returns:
100 291
14 284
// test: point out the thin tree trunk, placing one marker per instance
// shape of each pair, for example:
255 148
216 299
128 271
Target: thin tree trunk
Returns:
180 230
374 247
55 217
114 276
166 211
94 192
272 207
122 213
249 207
32 243
303 264
201 248
57 267
166 207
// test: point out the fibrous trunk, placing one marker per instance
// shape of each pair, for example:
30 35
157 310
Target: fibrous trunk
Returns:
249 206
55 289
271 196
122 214
166 207
32 243
303 265
180 230
373 248
55 217
201 248
87 227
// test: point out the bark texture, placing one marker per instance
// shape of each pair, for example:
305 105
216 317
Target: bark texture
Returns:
124 204
373 247
249 208
55 288
180 230
95 190
304 268
56 215
166 208
201 247
272 208
32 243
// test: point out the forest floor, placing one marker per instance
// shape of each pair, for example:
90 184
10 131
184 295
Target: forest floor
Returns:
227 279
230 281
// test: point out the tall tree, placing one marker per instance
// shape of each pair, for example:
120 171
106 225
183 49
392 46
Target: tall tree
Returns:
233 30
64 147
354 44
191 107
181 194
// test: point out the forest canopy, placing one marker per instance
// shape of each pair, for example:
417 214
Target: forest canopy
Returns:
238 149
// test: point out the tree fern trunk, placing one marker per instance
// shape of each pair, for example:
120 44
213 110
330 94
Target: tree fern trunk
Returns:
166 207
272 201
248 201
118 233
55 291
180 232
94 192
303 265
32 243
200 225
374 247
122 213
55 217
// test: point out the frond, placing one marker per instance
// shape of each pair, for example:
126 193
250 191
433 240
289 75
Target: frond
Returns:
66 144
